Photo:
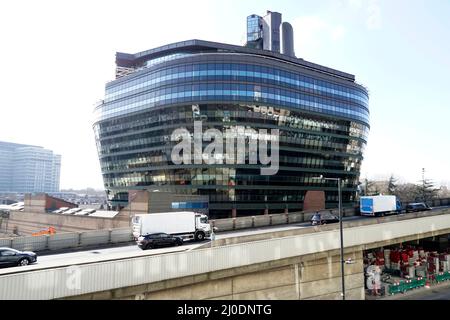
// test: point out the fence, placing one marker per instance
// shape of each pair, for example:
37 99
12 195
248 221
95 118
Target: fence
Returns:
68 240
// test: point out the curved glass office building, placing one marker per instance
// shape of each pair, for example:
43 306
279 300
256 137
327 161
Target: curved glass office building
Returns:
322 116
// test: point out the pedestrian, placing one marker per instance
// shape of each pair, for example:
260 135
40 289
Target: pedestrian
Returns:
370 281
377 280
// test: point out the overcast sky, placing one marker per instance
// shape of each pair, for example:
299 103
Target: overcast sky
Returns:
56 57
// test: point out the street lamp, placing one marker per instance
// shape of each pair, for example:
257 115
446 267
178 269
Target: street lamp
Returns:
341 231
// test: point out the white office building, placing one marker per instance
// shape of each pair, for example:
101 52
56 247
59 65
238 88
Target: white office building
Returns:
26 168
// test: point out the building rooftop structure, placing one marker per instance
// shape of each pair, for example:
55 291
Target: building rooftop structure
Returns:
137 61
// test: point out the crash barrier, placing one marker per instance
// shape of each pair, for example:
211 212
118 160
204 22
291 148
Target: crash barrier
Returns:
272 219
405 285
68 240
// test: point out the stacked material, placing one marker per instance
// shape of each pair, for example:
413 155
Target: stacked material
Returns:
433 263
395 265
411 272
422 254
444 262
421 271
387 258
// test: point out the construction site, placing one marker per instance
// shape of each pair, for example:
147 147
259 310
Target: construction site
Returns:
402 268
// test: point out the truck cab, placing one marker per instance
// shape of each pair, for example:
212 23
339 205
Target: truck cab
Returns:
202 224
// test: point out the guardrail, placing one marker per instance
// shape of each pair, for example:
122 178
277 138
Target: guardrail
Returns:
68 240
102 276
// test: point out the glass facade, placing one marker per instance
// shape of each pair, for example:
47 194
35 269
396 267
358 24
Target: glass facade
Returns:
323 122
254 28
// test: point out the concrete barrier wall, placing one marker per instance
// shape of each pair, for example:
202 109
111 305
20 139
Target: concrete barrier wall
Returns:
243 223
30 222
6 242
261 221
94 237
279 219
295 217
68 240
223 224
121 235
38 243
270 220
63 241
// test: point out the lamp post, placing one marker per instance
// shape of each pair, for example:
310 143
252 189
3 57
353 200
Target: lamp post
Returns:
341 230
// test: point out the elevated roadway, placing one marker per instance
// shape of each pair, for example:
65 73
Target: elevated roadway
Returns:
302 259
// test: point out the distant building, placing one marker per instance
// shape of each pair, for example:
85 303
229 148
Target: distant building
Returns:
26 168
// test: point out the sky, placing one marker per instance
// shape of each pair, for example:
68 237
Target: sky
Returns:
56 57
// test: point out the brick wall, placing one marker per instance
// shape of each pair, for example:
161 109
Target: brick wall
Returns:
314 201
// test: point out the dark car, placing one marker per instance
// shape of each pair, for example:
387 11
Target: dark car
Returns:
11 257
415 207
323 218
155 240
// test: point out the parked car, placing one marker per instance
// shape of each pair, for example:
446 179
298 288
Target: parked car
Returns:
155 240
11 257
323 218
419 206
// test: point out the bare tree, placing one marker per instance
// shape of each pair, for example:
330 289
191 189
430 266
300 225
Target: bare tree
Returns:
408 192
426 188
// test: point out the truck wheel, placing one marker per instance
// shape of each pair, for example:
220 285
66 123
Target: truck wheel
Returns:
200 236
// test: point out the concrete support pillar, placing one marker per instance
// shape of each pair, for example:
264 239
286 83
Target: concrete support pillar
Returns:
233 213
286 210
266 211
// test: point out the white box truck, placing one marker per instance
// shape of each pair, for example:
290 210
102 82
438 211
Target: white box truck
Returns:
379 205
186 224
